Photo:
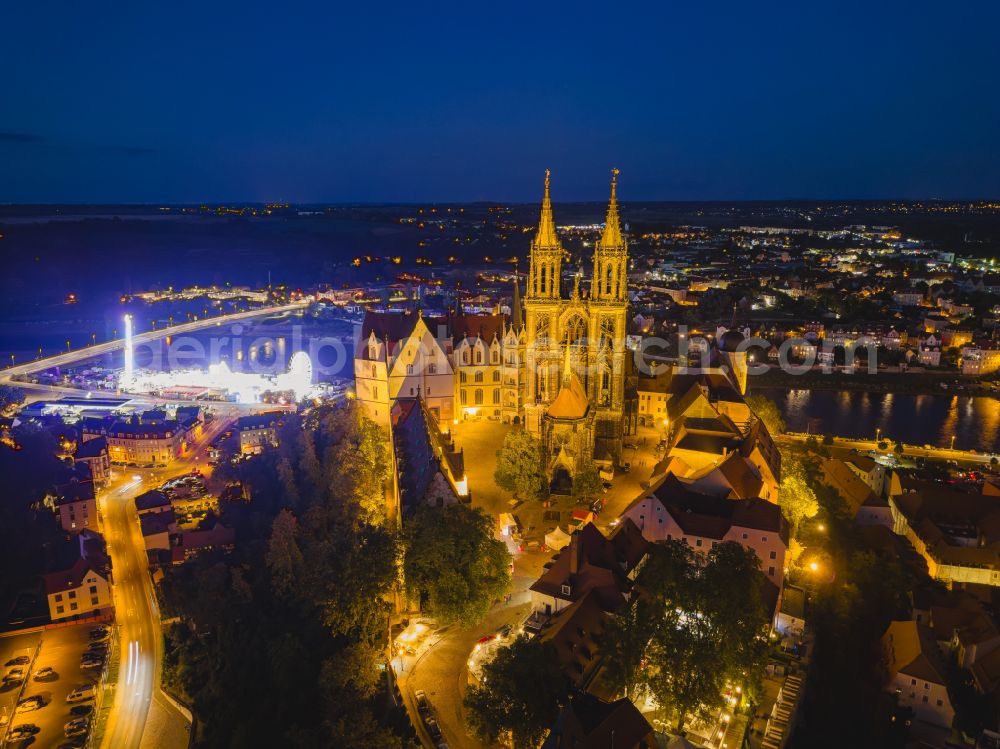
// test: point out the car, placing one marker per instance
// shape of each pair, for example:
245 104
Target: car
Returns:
96 648
606 485
505 630
92 663
23 731
15 674
629 446
77 727
99 633
433 729
79 710
45 672
21 660
28 704
485 639
626 467
81 694
423 705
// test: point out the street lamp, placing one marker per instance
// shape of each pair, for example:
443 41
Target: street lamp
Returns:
953 442
67 345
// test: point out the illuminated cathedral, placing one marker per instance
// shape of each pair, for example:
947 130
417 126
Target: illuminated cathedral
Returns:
557 365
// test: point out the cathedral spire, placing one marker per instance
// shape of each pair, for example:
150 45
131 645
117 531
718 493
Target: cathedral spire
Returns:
546 236
612 236
516 304
567 375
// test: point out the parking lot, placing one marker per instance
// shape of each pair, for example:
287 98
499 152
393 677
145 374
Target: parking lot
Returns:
16 646
61 650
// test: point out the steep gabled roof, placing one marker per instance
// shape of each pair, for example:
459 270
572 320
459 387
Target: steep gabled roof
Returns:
910 650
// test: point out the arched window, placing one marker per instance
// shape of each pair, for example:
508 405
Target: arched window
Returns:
496 375
465 356
479 397
479 356
462 377
496 396
463 397
607 286
576 330
479 376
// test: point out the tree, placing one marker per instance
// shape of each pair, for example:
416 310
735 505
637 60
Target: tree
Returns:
11 396
453 563
795 495
768 412
709 627
284 557
520 693
520 466
898 449
587 482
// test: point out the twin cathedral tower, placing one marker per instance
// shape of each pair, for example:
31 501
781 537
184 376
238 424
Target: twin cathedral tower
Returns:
575 345
557 365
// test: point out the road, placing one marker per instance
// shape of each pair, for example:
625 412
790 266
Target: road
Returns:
135 601
912 451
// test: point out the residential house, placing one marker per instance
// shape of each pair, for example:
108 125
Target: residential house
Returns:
590 561
676 510
258 431
916 671
94 453
587 722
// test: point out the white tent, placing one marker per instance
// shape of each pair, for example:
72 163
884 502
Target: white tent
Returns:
557 539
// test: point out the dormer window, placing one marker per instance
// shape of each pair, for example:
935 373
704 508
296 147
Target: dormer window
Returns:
566 589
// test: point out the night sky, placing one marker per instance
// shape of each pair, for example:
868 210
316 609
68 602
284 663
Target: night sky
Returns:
321 101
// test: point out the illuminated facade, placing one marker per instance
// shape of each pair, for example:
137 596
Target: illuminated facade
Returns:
574 394
558 369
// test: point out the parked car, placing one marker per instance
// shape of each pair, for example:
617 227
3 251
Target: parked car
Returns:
433 729
77 727
15 674
77 710
423 705
505 630
45 672
81 694
29 704
23 731
21 660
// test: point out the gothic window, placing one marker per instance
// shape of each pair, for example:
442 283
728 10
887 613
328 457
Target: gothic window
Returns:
495 356
479 397
542 328
409 369
479 356
607 333
607 285
605 385
576 330
465 357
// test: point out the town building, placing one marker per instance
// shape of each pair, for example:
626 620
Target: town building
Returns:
258 432
675 511
94 452
136 443
917 674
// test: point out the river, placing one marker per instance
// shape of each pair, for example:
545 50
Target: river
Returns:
915 419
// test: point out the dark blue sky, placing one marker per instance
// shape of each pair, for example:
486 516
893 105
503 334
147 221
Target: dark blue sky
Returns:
325 101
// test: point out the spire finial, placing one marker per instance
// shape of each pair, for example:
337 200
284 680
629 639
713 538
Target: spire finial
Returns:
567 377
546 236
612 236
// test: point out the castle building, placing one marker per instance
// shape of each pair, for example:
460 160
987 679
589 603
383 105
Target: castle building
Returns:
558 369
